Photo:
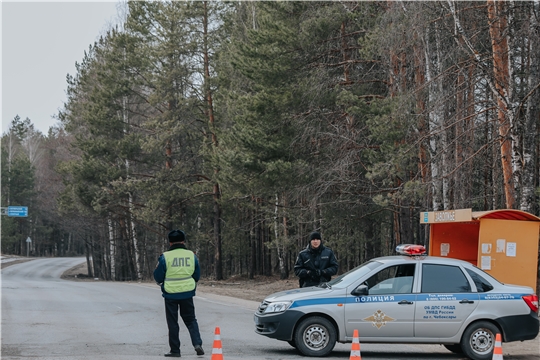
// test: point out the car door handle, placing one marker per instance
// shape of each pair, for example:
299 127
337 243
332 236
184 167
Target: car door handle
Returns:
465 301
405 302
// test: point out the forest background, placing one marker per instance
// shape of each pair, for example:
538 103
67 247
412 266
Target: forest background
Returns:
250 124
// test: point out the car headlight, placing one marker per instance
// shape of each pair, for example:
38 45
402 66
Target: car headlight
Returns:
279 306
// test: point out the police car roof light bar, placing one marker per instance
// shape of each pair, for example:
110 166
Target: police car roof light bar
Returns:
410 249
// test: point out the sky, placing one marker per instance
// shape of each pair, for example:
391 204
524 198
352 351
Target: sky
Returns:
41 42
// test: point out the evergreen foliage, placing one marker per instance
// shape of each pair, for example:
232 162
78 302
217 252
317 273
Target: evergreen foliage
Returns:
250 124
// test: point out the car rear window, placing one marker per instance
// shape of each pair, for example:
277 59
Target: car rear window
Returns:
482 285
443 279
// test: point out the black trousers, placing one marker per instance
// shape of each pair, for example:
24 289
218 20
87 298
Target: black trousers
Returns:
187 313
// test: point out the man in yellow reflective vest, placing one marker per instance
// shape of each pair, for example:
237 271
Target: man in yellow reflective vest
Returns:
177 272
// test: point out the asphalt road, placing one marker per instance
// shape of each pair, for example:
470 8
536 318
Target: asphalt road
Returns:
45 317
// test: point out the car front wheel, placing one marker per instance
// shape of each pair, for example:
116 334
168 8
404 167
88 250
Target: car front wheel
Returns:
478 340
315 336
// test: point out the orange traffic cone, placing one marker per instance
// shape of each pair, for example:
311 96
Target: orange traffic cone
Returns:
355 348
497 351
217 352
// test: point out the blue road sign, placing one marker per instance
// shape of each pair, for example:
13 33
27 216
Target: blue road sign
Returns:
19 211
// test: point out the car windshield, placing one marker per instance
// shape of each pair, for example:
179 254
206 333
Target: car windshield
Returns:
352 275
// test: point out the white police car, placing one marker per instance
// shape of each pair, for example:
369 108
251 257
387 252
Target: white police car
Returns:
403 299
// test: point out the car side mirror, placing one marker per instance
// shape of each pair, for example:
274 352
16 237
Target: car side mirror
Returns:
360 290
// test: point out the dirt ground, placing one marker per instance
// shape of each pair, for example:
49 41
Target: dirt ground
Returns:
18 261
243 288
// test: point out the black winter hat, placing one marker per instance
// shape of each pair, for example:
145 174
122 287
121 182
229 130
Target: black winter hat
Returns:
315 235
176 236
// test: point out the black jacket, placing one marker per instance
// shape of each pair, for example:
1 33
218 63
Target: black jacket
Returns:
310 260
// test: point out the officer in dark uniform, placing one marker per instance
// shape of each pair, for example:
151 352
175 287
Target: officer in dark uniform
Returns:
316 263
177 272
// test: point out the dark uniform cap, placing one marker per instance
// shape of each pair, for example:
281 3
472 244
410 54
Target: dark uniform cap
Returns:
176 236
315 235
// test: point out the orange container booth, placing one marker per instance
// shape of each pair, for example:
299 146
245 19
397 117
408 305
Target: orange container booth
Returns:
503 243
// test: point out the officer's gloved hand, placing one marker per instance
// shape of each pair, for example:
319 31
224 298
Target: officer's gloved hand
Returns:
318 273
